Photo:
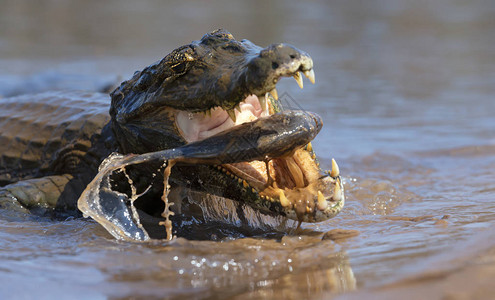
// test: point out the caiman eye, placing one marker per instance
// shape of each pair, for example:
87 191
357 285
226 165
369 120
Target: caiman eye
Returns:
179 68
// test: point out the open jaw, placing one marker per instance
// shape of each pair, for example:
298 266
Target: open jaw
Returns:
293 184
209 86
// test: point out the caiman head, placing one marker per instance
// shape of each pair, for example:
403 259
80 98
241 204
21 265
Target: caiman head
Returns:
207 87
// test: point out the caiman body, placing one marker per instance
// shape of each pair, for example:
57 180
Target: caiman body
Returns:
51 144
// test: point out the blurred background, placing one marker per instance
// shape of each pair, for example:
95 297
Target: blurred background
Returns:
406 90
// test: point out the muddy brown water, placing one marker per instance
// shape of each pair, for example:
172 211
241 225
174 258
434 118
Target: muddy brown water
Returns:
406 92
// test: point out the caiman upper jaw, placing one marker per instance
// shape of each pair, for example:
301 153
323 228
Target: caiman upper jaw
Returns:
216 71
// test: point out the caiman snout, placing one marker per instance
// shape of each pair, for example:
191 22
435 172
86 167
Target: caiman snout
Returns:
288 57
275 61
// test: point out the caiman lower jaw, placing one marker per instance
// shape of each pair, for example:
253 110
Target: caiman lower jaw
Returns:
294 182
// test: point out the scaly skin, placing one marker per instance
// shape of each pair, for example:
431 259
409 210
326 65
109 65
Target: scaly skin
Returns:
51 145
214 74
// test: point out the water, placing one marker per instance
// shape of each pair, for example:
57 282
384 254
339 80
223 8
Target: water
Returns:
405 90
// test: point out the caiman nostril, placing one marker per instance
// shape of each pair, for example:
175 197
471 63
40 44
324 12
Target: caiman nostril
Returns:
274 65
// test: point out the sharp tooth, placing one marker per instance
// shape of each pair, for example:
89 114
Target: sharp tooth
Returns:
297 76
238 107
310 147
274 94
283 200
337 192
209 112
310 74
231 113
322 203
245 184
295 172
335 169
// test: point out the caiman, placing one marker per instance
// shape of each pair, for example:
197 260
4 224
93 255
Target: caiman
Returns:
51 144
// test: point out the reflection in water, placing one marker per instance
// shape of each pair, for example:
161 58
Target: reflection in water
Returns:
406 92
243 268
